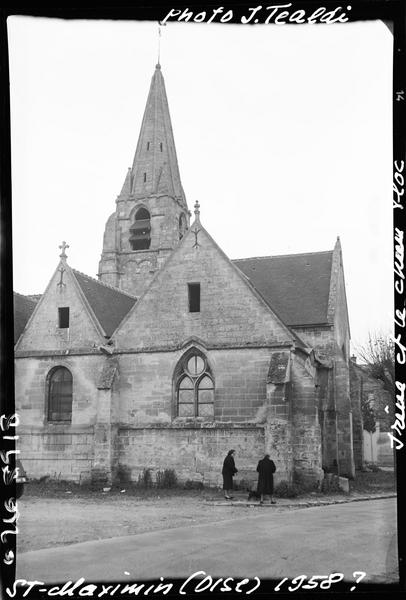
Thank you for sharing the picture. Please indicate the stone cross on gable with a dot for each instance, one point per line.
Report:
(196, 231)
(197, 222)
(197, 211)
(63, 247)
(61, 270)
(61, 282)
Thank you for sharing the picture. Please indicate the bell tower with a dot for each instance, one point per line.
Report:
(151, 213)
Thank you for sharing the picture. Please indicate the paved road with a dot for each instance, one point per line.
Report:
(358, 536)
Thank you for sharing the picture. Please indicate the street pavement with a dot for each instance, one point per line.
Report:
(357, 536)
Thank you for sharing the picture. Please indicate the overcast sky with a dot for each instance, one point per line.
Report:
(283, 134)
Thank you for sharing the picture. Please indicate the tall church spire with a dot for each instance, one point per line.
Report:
(155, 166)
(151, 215)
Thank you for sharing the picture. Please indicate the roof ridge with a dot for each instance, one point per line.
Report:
(283, 255)
(101, 283)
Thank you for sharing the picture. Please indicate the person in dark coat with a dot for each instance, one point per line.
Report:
(266, 468)
(229, 470)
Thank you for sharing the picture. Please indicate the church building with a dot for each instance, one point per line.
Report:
(177, 354)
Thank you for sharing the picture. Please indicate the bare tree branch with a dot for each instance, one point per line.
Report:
(378, 356)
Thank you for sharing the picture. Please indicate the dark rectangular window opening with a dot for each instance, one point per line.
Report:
(145, 177)
(160, 145)
(147, 145)
(63, 317)
(194, 297)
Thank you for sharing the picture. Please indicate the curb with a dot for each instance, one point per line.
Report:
(300, 504)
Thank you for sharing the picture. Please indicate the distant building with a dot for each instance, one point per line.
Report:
(177, 353)
(376, 447)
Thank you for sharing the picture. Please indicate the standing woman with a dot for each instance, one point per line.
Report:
(228, 471)
(266, 468)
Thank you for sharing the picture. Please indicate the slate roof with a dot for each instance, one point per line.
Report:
(23, 308)
(109, 304)
(34, 297)
(297, 286)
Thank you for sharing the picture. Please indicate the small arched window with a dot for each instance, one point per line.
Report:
(60, 395)
(194, 387)
(182, 225)
(140, 230)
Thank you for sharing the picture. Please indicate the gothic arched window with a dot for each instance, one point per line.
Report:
(60, 394)
(194, 387)
(182, 225)
(140, 230)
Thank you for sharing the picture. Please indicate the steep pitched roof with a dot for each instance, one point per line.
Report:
(109, 304)
(23, 308)
(296, 285)
(155, 166)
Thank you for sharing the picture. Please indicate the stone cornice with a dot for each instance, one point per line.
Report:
(192, 425)
(146, 349)
(52, 353)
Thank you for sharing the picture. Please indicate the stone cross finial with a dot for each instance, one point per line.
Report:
(63, 247)
(197, 222)
(197, 211)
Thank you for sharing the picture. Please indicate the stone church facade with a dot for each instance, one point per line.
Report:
(177, 353)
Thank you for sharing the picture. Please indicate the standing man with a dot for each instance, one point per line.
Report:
(228, 472)
(266, 468)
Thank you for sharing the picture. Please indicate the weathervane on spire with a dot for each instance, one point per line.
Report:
(159, 41)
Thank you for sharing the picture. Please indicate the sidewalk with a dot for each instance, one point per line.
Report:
(303, 501)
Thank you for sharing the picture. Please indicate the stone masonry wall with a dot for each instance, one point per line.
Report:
(132, 270)
(146, 388)
(278, 430)
(344, 419)
(306, 434)
(60, 452)
(194, 453)
(63, 450)
(320, 338)
(230, 312)
(43, 332)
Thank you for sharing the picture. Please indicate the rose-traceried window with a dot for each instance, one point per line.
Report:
(195, 388)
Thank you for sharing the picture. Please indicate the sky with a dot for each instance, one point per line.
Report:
(283, 135)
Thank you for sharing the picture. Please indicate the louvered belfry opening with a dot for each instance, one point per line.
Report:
(140, 231)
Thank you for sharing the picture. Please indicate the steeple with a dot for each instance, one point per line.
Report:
(151, 215)
(155, 166)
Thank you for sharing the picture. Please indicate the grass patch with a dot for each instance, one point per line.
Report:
(69, 489)
(166, 479)
(284, 489)
(368, 482)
